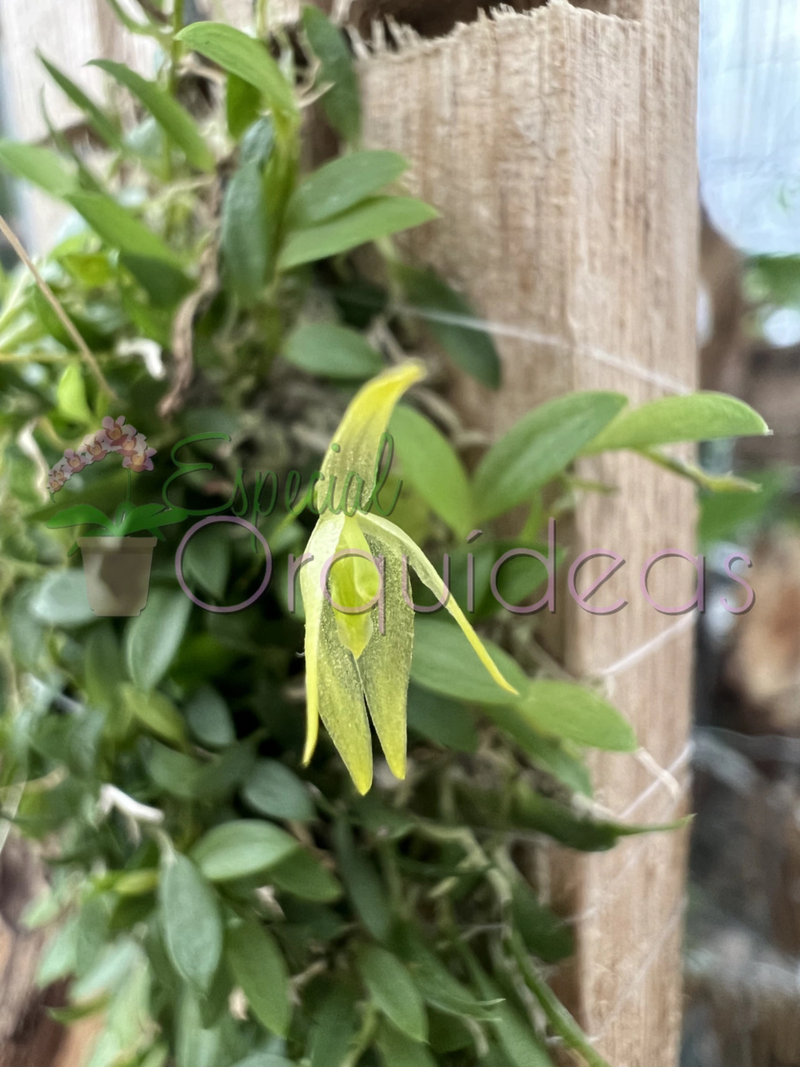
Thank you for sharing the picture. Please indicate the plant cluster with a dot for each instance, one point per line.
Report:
(215, 901)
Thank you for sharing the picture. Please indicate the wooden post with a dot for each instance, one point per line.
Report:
(559, 146)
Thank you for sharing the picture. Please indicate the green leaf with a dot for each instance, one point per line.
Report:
(533, 811)
(547, 753)
(342, 102)
(305, 877)
(40, 166)
(392, 991)
(156, 712)
(174, 772)
(152, 639)
(157, 1057)
(118, 228)
(71, 396)
(272, 789)
(236, 849)
(728, 517)
(163, 282)
(397, 1050)
(774, 280)
(698, 417)
(368, 221)
(245, 57)
(333, 351)
(265, 1059)
(150, 517)
(207, 561)
(445, 663)
(242, 105)
(259, 968)
(195, 1044)
(174, 120)
(547, 936)
(61, 600)
(209, 718)
(334, 1026)
(59, 957)
(79, 515)
(222, 777)
(98, 120)
(438, 987)
(538, 447)
(362, 883)
(103, 667)
(441, 307)
(519, 1041)
(564, 709)
(136, 883)
(431, 465)
(190, 919)
(443, 721)
(93, 932)
(342, 184)
(245, 233)
(91, 269)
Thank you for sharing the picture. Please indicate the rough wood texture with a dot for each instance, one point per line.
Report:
(559, 147)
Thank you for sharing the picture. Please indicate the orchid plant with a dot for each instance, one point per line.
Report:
(119, 437)
(360, 632)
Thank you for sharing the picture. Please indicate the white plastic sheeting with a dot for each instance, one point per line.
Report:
(749, 121)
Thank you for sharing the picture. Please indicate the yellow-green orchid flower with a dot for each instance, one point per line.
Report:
(359, 625)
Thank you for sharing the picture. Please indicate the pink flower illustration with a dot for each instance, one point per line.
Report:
(114, 430)
(140, 461)
(57, 477)
(74, 462)
(128, 446)
(95, 447)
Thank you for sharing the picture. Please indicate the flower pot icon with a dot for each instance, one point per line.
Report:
(117, 572)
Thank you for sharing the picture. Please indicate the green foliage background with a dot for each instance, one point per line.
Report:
(217, 903)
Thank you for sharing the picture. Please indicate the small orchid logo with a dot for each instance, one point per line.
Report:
(116, 436)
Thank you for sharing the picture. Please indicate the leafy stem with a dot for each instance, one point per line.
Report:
(176, 48)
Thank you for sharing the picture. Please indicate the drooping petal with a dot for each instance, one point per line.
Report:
(385, 664)
(321, 545)
(373, 524)
(359, 434)
(333, 687)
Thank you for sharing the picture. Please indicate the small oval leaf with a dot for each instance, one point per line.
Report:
(191, 922)
(236, 849)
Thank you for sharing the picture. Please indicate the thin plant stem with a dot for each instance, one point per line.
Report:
(55, 303)
(130, 487)
(175, 48)
(261, 17)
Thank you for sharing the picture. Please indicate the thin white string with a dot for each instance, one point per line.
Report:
(676, 917)
(643, 651)
(499, 329)
(609, 894)
(664, 776)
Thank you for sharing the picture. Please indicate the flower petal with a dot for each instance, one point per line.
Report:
(428, 574)
(359, 433)
(353, 582)
(385, 664)
(333, 688)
